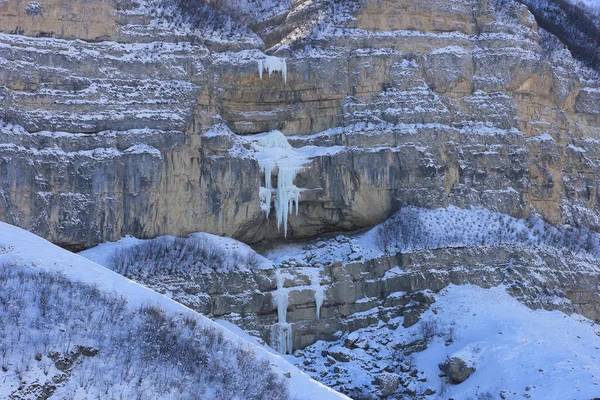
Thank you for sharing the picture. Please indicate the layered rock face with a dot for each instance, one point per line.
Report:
(359, 294)
(428, 103)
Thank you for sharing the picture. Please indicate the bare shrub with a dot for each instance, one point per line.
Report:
(414, 228)
(485, 396)
(114, 351)
(179, 256)
(450, 334)
(428, 330)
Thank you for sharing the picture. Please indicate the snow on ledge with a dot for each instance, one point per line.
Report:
(144, 149)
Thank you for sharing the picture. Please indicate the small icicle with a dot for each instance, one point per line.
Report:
(281, 332)
(273, 64)
(284, 70)
(315, 283)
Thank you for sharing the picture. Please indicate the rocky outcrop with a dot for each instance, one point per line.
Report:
(456, 370)
(356, 295)
(426, 103)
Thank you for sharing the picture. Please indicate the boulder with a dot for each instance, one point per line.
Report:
(456, 370)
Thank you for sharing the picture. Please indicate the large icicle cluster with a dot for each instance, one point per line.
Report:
(273, 64)
(276, 155)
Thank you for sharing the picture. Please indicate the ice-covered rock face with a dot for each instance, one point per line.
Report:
(449, 103)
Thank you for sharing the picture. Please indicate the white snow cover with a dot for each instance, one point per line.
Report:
(509, 345)
(515, 350)
(25, 248)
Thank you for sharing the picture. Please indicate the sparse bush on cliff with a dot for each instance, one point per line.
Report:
(414, 228)
(179, 256)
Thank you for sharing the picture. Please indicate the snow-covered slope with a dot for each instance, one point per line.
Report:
(517, 352)
(413, 228)
(22, 248)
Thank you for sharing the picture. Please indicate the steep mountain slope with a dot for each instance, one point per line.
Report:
(48, 294)
(426, 103)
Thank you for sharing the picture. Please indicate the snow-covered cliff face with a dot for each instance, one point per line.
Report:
(128, 117)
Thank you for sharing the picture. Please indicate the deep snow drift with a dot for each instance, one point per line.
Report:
(23, 248)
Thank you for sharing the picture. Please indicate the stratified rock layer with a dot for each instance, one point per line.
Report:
(428, 103)
(359, 294)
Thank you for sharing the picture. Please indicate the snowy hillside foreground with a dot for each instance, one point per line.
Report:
(517, 353)
(140, 344)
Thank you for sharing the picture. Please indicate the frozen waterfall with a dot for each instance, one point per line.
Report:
(276, 155)
(281, 333)
(315, 284)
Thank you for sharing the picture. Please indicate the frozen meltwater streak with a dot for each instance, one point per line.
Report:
(273, 64)
(281, 333)
(281, 337)
(315, 283)
(287, 192)
(276, 155)
(281, 298)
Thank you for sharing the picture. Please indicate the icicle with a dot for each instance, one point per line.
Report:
(273, 64)
(281, 338)
(287, 192)
(281, 332)
(284, 70)
(315, 283)
(275, 153)
(265, 200)
(281, 298)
